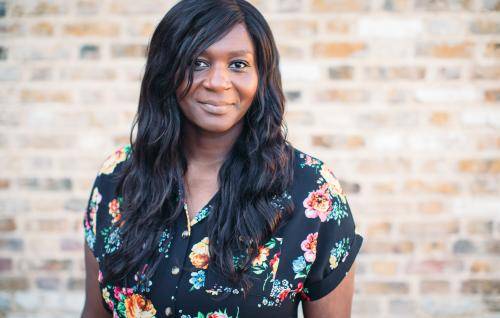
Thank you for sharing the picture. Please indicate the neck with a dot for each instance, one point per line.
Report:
(208, 149)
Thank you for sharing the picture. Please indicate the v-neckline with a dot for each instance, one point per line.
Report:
(204, 211)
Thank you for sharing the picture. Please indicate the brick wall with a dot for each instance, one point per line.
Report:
(400, 97)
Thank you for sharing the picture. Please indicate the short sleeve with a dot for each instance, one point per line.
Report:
(103, 205)
(337, 241)
(90, 215)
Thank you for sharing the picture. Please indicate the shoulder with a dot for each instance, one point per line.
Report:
(314, 177)
(103, 208)
(111, 163)
(321, 233)
(114, 159)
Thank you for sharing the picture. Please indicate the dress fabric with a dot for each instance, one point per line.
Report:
(303, 261)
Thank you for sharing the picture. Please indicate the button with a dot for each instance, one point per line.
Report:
(185, 234)
(168, 311)
(175, 270)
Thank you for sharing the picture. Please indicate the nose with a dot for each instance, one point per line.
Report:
(217, 78)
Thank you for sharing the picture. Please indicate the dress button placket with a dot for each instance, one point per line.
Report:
(175, 270)
(168, 311)
(182, 250)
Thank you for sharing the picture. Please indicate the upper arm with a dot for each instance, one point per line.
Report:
(336, 304)
(329, 286)
(93, 306)
(96, 218)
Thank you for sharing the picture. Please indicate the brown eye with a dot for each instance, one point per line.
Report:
(196, 63)
(241, 63)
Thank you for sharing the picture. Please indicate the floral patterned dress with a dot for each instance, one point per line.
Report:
(303, 261)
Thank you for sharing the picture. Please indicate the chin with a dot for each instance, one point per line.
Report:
(216, 127)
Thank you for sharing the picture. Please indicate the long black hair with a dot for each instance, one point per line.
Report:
(257, 170)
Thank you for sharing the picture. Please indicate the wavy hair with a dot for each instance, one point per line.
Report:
(257, 170)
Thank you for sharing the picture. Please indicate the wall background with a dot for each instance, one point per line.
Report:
(400, 97)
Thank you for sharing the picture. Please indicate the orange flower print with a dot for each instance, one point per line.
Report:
(262, 257)
(309, 246)
(274, 264)
(114, 210)
(114, 159)
(199, 255)
(137, 306)
(332, 182)
(318, 204)
(284, 294)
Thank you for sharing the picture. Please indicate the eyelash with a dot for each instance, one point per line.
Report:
(238, 68)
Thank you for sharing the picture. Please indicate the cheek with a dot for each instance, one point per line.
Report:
(248, 88)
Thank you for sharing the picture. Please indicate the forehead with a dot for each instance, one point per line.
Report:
(236, 42)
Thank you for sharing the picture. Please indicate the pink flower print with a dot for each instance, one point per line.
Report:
(309, 246)
(318, 204)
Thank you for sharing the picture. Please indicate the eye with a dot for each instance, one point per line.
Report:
(196, 63)
(241, 63)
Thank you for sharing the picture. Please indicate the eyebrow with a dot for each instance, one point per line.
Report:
(240, 52)
(236, 52)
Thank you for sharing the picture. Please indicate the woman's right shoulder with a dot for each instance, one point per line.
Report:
(103, 207)
(115, 159)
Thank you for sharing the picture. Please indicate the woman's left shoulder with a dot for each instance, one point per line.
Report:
(313, 176)
(320, 242)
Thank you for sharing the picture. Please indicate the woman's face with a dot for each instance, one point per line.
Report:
(224, 84)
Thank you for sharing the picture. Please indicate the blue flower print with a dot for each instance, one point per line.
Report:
(197, 279)
(299, 264)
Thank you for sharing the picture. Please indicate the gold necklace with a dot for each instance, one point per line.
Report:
(187, 217)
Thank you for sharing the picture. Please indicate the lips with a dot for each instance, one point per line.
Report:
(215, 103)
(215, 109)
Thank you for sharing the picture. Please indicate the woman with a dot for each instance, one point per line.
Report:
(210, 212)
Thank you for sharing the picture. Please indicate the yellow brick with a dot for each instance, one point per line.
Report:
(342, 95)
(338, 26)
(338, 49)
(446, 50)
(431, 207)
(29, 96)
(384, 267)
(487, 142)
(479, 166)
(4, 184)
(91, 29)
(385, 287)
(340, 5)
(329, 141)
(383, 247)
(433, 247)
(378, 229)
(481, 266)
(440, 118)
(487, 72)
(492, 49)
(293, 28)
(429, 229)
(291, 51)
(384, 187)
(442, 187)
(434, 287)
(492, 95)
(461, 50)
(43, 28)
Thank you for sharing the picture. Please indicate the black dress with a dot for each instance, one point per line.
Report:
(303, 261)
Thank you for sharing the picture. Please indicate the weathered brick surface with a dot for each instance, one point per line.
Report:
(401, 97)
